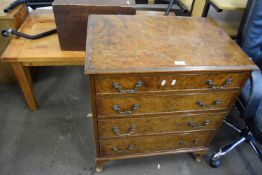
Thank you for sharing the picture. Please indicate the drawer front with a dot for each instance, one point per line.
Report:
(149, 144)
(165, 103)
(153, 125)
(133, 84)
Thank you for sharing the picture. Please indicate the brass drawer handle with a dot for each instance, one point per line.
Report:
(196, 126)
(211, 84)
(205, 106)
(122, 150)
(130, 131)
(127, 91)
(117, 109)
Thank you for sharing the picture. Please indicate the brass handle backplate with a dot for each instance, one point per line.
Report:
(196, 126)
(206, 106)
(130, 131)
(212, 85)
(117, 109)
(123, 150)
(127, 91)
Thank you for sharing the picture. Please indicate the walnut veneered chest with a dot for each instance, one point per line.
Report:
(160, 85)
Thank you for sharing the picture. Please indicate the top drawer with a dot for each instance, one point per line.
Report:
(142, 83)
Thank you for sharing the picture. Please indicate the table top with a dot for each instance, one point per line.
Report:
(230, 4)
(44, 51)
(148, 44)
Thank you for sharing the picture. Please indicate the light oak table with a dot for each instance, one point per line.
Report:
(22, 53)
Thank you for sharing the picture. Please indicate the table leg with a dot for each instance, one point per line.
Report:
(25, 81)
(206, 8)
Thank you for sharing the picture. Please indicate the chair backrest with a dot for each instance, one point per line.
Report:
(250, 32)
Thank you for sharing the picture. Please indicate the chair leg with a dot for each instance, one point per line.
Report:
(256, 148)
(214, 160)
(169, 7)
(206, 9)
(232, 126)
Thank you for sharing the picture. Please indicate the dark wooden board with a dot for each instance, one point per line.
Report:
(71, 18)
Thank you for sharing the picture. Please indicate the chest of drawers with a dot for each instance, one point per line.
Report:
(160, 85)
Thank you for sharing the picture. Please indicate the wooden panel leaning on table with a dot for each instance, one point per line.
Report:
(22, 53)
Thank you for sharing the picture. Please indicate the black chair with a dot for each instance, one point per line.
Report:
(250, 101)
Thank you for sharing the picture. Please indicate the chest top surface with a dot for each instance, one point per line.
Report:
(140, 44)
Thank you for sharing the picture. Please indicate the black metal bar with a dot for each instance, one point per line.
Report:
(169, 7)
(13, 5)
(226, 149)
(192, 6)
(256, 148)
(232, 126)
(206, 8)
(8, 32)
(30, 3)
(215, 7)
(35, 5)
(183, 8)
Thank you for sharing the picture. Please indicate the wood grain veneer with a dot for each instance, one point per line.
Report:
(149, 144)
(164, 103)
(130, 44)
(181, 82)
(159, 124)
